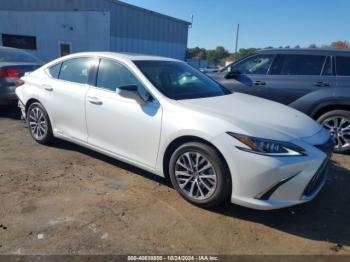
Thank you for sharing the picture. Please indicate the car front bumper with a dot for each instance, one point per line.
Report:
(265, 182)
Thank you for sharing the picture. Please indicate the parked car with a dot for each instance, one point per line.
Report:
(314, 81)
(166, 117)
(14, 63)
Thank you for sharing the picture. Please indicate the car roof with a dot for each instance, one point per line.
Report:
(303, 51)
(122, 56)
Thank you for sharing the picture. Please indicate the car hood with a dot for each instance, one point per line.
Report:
(256, 116)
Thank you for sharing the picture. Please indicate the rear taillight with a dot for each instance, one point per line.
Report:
(13, 73)
(19, 82)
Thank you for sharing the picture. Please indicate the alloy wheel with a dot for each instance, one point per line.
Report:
(195, 175)
(339, 127)
(37, 123)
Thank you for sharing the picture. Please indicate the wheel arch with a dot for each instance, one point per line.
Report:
(35, 100)
(29, 102)
(174, 144)
(330, 106)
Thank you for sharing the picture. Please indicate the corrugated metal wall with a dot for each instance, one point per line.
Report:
(84, 30)
(132, 29)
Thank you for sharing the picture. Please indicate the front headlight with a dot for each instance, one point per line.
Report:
(267, 147)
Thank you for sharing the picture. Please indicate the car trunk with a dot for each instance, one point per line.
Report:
(9, 73)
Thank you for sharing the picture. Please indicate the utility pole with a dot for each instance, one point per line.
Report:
(237, 36)
(191, 21)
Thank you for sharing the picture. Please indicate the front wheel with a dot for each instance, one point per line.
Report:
(199, 174)
(39, 124)
(337, 122)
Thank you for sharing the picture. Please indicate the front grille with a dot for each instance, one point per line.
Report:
(317, 179)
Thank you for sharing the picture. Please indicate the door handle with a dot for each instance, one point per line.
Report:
(322, 84)
(259, 83)
(94, 100)
(47, 87)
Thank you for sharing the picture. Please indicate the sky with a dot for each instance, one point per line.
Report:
(262, 22)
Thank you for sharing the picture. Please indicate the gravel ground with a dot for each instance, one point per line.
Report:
(65, 199)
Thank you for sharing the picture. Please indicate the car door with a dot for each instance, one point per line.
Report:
(293, 76)
(246, 76)
(120, 122)
(64, 97)
(342, 64)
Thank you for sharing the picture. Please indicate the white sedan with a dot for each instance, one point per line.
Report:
(164, 116)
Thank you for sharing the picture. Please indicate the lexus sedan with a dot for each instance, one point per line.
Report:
(14, 63)
(166, 117)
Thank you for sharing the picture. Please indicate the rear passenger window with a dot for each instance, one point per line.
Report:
(298, 65)
(76, 70)
(343, 65)
(55, 70)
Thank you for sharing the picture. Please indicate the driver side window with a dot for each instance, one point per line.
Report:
(255, 65)
(112, 75)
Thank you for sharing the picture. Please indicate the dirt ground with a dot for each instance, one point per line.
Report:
(65, 199)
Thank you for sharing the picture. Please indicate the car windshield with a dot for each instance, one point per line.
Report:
(178, 80)
(16, 55)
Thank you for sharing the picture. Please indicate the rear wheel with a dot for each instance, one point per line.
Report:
(39, 124)
(199, 174)
(337, 122)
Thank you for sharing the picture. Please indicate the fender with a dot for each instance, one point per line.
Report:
(335, 103)
(310, 101)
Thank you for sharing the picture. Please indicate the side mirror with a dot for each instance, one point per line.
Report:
(144, 94)
(128, 91)
(129, 88)
(232, 73)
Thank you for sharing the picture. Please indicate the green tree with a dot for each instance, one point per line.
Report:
(197, 53)
(221, 52)
(312, 46)
(217, 56)
(243, 52)
(202, 54)
(211, 57)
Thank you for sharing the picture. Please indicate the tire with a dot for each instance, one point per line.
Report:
(204, 194)
(338, 123)
(39, 124)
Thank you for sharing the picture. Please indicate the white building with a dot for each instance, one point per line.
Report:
(52, 28)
